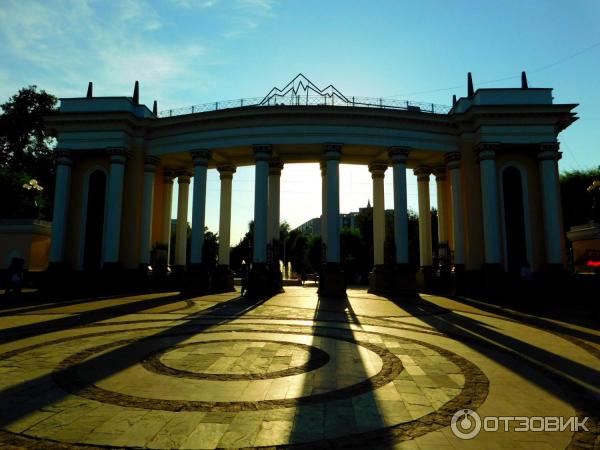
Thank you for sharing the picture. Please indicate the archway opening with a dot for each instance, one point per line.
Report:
(94, 221)
(514, 219)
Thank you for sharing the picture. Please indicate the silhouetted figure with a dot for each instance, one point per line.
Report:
(526, 273)
(15, 278)
(244, 274)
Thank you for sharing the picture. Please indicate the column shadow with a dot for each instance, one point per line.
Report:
(569, 380)
(22, 399)
(344, 412)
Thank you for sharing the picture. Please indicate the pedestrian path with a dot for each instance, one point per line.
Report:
(224, 371)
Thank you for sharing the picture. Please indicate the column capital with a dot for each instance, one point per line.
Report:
(150, 163)
(440, 173)
(486, 150)
(201, 156)
(262, 152)
(118, 155)
(63, 157)
(399, 154)
(275, 167)
(183, 176)
(549, 151)
(332, 151)
(168, 176)
(452, 157)
(226, 171)
(377, 169)
(422, 173)
(323, 165)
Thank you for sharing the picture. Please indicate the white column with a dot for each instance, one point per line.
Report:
(548, 158)
(275, 168)
(166, 219)
(262, 155)
(399, 155)
(453, 164)
(378, 173)
(333, 153)
(226, 173)
(200, 158)
(62, 192)
(440, 185)
(183, 181)
(324, 202)
(115, 205)
(150, 164)
(490, 202)
(422, 174)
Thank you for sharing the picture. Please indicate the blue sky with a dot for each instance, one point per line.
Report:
(187, 52)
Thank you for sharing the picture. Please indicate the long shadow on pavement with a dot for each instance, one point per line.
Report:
(323, 423)
(568, 380)
(20, 400)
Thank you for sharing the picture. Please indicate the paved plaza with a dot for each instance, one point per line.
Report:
(224, 371)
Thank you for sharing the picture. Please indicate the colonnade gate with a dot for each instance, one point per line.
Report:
(494, 155)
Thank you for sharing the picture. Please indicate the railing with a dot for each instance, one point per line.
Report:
(310, 100)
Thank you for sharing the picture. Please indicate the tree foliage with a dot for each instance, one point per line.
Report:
(25, 153)
(576, 200)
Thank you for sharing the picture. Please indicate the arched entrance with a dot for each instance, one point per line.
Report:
(94, 221)
(514, 219)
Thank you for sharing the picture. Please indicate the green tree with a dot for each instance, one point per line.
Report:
(297, 251)
(315, 252)
(26, 153)
(576, 200)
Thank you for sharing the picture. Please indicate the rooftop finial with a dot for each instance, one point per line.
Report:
(524, 84)
(155, 108)
(470, 90)
(90, 91)
(136, 93)
(453, 99)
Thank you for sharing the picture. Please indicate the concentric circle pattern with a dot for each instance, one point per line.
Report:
(204, 379)
(228, 360)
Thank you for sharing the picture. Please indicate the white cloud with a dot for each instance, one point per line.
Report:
(195, 3)
(62, 45)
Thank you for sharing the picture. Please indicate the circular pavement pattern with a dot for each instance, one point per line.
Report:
(285, 384)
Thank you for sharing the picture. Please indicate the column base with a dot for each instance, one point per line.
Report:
(425, 279)
(494, 280)
(332, 282)
(458, 280)
(276, 278)
(195, 279)
(144, 275)
(57, 279)
(378, 282)
(113, 278)
(404, 282)
(222, 279)
(259, 281)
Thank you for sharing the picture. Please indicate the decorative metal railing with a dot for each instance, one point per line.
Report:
(303, 92)
(311, 100)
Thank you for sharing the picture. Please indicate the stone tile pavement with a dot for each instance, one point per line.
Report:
(223, 371)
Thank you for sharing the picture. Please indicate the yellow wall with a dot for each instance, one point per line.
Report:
(39, 252)
(132, 200)
(472, 212)
(157, 212)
